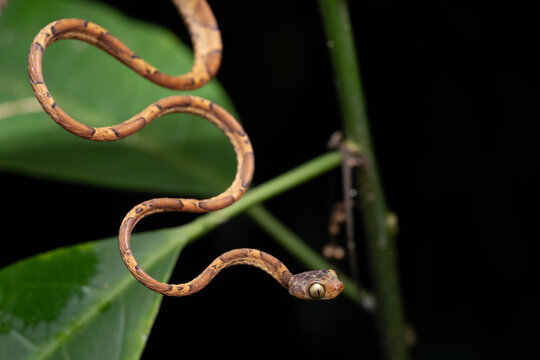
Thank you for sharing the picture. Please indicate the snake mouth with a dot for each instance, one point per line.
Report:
(335, 289)
(338, 289)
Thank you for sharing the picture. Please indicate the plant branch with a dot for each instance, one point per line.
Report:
(268, 190)
(378, 221)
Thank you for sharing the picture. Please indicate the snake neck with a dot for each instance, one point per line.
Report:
(252, 257)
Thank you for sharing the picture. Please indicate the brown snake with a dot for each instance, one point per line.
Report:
(206, 38)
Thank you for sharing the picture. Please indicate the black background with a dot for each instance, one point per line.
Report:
(452, 97)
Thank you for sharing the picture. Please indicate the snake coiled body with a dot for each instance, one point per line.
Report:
(206, 38)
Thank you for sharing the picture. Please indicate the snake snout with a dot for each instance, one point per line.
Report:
(340, 287)
(335, 287)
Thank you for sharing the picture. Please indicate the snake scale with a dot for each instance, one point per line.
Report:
(207, 49)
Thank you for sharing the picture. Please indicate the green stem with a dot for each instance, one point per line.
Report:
(268, 190)
(377, 220)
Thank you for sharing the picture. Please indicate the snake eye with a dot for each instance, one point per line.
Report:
(316, 290)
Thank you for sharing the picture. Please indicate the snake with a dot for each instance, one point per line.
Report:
(207, 54)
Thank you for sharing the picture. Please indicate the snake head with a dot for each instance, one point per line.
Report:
(315, 285)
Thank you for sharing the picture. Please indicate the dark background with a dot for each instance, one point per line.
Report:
(452, 97)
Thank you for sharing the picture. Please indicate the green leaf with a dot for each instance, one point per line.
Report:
(177, 153)
(80, 302)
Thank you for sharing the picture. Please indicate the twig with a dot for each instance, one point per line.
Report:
(350, 161)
